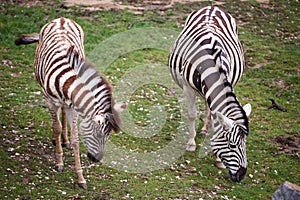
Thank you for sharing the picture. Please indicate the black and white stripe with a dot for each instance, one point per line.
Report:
(69, 80)
(70, 83)
(207, 59)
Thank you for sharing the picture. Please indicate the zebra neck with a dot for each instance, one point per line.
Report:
(90, 93)
(93, 103)
(226, 103)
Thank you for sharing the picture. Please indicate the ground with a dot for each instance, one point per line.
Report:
(270, 33)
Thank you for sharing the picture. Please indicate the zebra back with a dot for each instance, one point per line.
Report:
(207, 30)
(67, 77)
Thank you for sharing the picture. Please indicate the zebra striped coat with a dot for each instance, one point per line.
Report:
(72, 85)
(207, 59)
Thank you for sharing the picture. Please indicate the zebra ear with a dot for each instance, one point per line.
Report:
(247, 109)
(99, 119)
(224, 121)
(120, 106)
(116, 120)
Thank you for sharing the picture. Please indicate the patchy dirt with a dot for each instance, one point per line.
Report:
(258, 65)
(289, 144)
(28, 3)
(261, 1)
(136, 6)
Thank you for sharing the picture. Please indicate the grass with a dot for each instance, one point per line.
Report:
(270, 33)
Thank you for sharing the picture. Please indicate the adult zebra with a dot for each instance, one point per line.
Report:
(72, 85)
(207, 59)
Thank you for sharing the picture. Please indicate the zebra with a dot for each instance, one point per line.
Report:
(72, 86)
(207, 60)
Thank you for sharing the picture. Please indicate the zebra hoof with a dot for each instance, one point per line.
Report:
(83, 185)
(203, 133)
(220, 165)
(59, 168)
(191, 147)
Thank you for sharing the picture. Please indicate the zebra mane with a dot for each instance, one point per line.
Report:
(101, 89)
(86, 71)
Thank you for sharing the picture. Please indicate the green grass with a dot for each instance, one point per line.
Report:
(270, 33)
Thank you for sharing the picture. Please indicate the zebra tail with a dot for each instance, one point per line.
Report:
(27, 39)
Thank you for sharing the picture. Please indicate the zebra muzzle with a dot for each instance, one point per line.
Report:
(95, 158)
(239, 176)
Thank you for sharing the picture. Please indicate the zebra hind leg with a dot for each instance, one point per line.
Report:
(192, 115)
(64, 133)
(56, 136)
(65, 140)
(207, 121)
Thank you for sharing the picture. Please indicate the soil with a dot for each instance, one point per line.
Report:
(289, 144)
(134, 5)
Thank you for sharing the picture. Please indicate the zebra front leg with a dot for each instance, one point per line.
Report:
(65, 140)
(192, 115)
(73, 117)
(207, 121)
(56, 135)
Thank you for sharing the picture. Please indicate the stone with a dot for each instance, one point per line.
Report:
(287, 191)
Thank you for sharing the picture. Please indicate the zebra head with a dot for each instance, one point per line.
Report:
(230, 145)
(95, 133)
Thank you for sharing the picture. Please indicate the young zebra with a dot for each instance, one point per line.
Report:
(207, 59)
(72, 85)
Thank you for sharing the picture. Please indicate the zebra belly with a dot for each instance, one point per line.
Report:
(180, 81)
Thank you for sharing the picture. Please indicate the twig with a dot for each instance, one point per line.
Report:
(276, 106)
